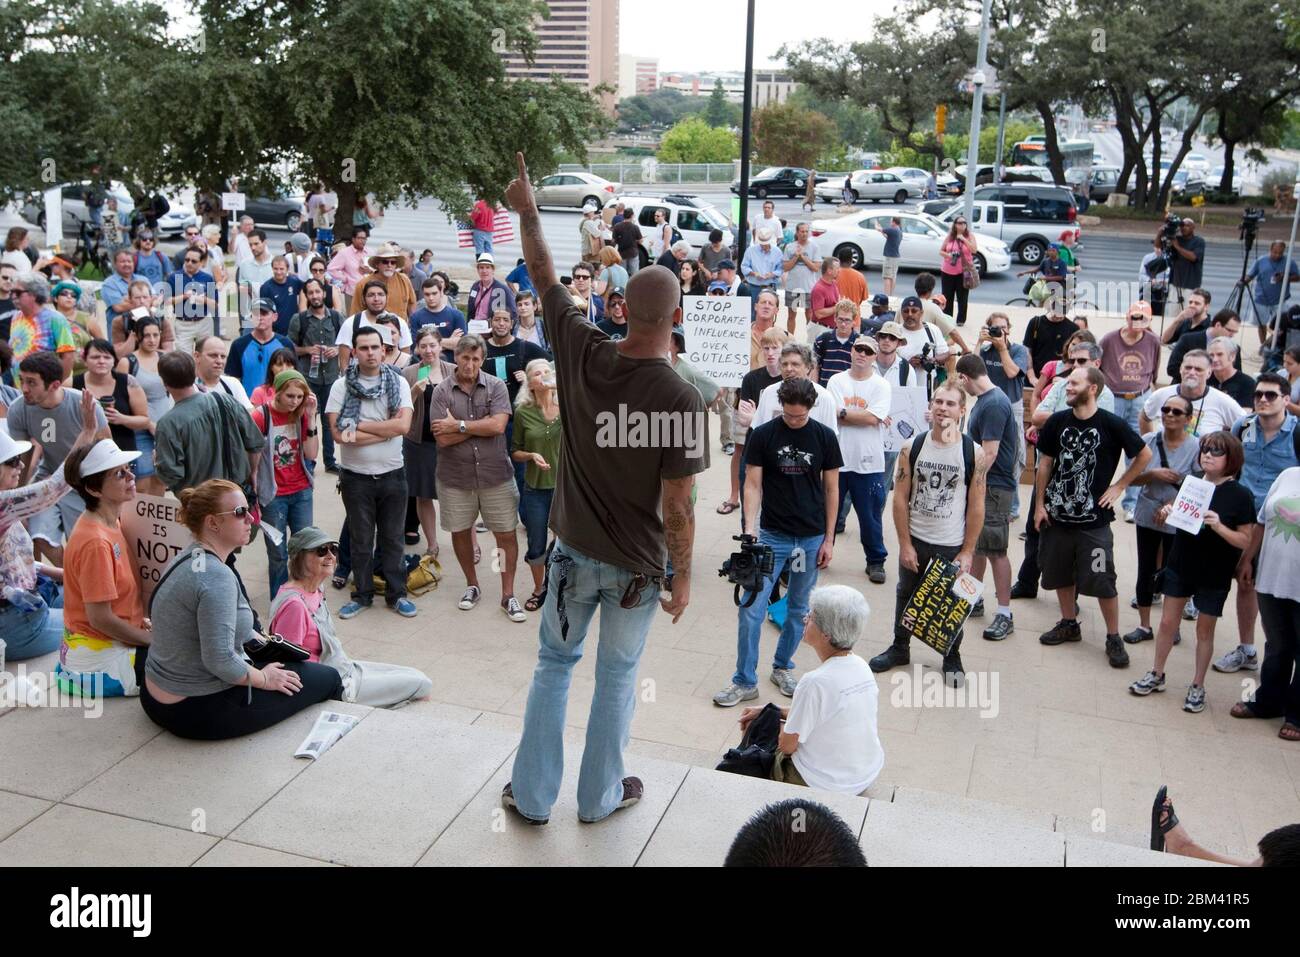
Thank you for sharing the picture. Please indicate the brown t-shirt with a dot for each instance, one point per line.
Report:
(1129, 368)
(628, 424)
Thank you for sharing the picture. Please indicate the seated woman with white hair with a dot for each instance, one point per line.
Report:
(828, 734)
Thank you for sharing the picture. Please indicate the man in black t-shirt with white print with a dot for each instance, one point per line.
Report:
(1079, 449)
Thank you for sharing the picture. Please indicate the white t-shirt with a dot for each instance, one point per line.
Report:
(834, 714)
(917, 338)
(773, 224)
(345, 331)
(381, 457)
(824, 411)
(1213, 412)
(1280, 517)
(893, 374)
(800, 278)
(241, 250)
(233, 387)
(862, 446)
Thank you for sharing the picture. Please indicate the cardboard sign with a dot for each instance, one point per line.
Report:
(53, 201)
(154, 536)
(1189, 508)
(907, 409)
(717, 336)
(939, 607)
(232, 202)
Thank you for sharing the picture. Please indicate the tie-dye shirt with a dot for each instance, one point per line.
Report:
(47, 331)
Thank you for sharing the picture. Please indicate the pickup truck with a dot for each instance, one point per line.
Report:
(1027, 241)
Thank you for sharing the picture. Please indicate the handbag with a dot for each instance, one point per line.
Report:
(273, 650)
(423, 574)
(970, 276)
(757, 751)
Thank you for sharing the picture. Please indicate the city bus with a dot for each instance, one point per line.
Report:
(1075, 154)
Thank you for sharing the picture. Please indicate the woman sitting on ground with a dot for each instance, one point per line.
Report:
(106, 635)
(828, 735)
(299, 613)
(31, 612)
(199, 682)
(1280, 847)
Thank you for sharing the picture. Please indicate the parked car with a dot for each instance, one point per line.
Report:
(575, 189)
(1196, 163)
(1030, 217)
(778, 181)
(873, 184)
(282, 211)
(693, 217)
(75, 213)
(911, 174)
(954, 182)
(1102, 181)
(860, 237)
(1215, 177)
(1187, 184)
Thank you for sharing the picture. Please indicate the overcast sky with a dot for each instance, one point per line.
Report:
(709, 35)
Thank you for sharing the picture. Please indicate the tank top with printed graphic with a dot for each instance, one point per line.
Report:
(938, 505)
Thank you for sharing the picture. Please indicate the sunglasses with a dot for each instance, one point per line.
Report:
(388, 262)
(1267, 396)
(865, 350)
(193, 262)
(1170, 410)
(1217, 453)
(1080, 361)
(331, 549)
(242, 512)
(15, 462)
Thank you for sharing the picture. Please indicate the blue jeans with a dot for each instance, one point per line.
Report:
(891, 461)
(803, 578)
(535, 507)
(322, 392)
(1128, 409)
(482, 241)
(576, 586)
(286, 511)
(30, 634)
(867, 493)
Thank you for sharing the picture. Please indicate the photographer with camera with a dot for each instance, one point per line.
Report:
(792, 496)
(1268, 291)
(924, 346)
(1186, 252)
(1153, 278)
(938, 513)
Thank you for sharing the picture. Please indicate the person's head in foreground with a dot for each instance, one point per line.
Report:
(795, 833)
(836, 620)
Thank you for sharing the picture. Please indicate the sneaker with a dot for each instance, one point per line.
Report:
(633, 791)
(1000, 627)
(352, 609)
(1195, 700)
(331, 468)
(784, 679)
(508, 800)
(1128, 516)
(480, 527)
(412, 538)
(1237, 659)
(729, 448)
(1021, 590)
(733, 694)
(1148, 683)
(891, 657)
(954, 675)
(1064, 630)
(1115, 652)
(470, 598)
(404, 607)
(839, 529)
(876, 573)
(1139, 634)
(1189, 611)
(977, 609)
(1178, 637)
(511, 607)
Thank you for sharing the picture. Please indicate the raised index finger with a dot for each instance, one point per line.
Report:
(523, 169)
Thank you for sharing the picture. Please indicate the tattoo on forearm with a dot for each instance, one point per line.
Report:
(679, 534)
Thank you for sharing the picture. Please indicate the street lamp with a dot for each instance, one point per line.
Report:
(977, 105)
(747, 112)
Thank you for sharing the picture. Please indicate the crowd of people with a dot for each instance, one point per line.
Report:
(486, 420)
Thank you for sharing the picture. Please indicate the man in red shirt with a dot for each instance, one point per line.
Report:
(482, 218)
(825, 294)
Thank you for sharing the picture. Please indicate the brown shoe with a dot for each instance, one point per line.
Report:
(633, 791)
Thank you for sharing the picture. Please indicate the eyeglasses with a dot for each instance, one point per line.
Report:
(317, 268)
(865, 350)
(331, 549)
(1170, 410)
(1267, 396)
(1217, 453)
(388, 262)
(193, 262)
(242, 512)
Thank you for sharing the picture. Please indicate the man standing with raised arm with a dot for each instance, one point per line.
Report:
(609, 539)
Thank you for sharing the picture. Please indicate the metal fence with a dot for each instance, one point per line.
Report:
(650, 171)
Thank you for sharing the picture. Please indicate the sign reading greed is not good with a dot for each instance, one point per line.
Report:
(154, 536)
(717, 336)
(940, 605)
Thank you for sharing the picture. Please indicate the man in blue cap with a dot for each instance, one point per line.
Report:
(880, 314)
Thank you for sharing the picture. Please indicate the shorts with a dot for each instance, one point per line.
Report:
(55, 524)
(1261, 315)
(144, 444)
(1082, 558)
(498, 504)
(889, 270)
(996, 534)
(796, 300)
(1209, 601)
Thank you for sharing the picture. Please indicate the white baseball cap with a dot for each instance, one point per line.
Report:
(105, 455)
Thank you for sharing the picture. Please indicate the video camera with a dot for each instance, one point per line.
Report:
(1168, 233)
(1250, 220)
(927, 357)
(748, 568)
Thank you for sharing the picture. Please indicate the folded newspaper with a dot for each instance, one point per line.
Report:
(329, 727)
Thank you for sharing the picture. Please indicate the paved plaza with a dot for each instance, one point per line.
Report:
(1060, 768)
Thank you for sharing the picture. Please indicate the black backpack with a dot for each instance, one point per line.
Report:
(967, 454)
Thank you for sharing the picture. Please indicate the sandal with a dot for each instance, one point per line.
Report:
(1242, 710)
(726, 508)
(1163, 818)
(1289, 732)
(535, 601)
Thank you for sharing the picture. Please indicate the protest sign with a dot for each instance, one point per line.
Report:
(907, 408)
(154, 536)
(939, 607)
(232, 202)
(1189, 508)
(717, 336)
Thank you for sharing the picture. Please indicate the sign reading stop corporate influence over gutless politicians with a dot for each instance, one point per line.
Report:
(717, 336)
(154, 536)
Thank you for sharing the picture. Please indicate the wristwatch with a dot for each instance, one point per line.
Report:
(311, 433)
(844, 413)
(463, 428)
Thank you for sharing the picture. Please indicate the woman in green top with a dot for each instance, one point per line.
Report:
(536, 442)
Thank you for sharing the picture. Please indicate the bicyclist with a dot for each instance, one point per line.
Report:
(1052, 269)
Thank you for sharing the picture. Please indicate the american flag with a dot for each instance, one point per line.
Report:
(503, 231)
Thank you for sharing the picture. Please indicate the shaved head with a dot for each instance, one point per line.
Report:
(653, 295)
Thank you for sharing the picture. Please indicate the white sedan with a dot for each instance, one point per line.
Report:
(873, 184)
(860, 236)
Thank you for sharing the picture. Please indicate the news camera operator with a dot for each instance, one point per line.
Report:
(1186, 258)
(792, 496)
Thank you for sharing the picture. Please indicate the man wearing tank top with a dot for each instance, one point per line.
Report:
(938, 513)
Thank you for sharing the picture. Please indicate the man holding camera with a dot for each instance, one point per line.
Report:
(1186, 259)
(924, 346)
(1266, 274)
(792, 495)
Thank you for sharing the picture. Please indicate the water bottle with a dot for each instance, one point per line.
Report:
(314, 371)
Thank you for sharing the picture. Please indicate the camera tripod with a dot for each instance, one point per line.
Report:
(1239, 299)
